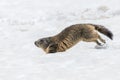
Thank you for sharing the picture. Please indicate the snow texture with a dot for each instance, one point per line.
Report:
(24, 21)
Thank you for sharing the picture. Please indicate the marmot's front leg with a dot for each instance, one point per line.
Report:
(52, 48)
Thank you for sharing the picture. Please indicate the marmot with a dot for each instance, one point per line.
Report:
(72, 35)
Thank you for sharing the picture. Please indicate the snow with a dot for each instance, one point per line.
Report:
(24, 21)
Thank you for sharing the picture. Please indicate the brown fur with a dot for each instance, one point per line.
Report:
(72, 35)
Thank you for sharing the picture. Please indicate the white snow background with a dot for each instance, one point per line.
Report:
(24, 21)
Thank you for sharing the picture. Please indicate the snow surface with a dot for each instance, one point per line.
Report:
(24, 21)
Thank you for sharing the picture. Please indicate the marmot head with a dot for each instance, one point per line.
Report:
(42, 43)
(47, 45)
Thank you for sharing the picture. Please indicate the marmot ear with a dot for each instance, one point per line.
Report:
(52, 48)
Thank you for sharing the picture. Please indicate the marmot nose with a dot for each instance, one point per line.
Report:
(35, 43)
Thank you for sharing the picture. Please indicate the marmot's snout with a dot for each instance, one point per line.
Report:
(36, 43)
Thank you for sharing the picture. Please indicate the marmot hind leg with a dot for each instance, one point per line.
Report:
(100, 38)
(98, 43)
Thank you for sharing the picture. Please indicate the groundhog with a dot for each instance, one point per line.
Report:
(72, 35)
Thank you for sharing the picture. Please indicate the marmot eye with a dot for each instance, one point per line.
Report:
(41, 40)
